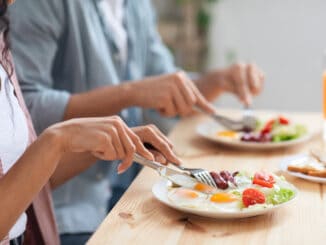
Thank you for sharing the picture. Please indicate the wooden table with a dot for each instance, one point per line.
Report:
(139, 218)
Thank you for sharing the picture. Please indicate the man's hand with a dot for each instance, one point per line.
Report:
(243, 80)
(171, 95)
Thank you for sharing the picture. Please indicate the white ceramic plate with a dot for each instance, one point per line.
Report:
(160, 191)
(289, 160)
(209, 129)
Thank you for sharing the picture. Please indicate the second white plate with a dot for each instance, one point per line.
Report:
(290, 160)
(209, 129)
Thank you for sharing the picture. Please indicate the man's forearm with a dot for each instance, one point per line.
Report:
(104, 101)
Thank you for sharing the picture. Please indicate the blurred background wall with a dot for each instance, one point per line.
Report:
(286, 38)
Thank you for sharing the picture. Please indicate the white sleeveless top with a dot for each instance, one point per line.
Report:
(13, 138)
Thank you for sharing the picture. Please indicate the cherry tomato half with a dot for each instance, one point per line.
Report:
(252, 196)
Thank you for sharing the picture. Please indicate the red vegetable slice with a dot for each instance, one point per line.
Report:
(252, 196)
(268, 127)
(283, 120)
(263, 179)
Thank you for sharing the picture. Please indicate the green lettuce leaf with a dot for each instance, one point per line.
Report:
(280, 196)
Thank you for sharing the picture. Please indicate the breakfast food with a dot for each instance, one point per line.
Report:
(236, 192)
(309, 166)
(275, 130)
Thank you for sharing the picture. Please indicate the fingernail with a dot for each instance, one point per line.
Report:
(121, 169)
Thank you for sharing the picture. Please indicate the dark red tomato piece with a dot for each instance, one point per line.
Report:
(252, 196)
(268, 127)
(264, 179)
(283, 120)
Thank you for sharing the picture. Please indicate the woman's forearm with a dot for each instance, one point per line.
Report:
(69, 166)
(27, 177)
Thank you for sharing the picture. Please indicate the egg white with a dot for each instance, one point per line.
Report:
(176, 197)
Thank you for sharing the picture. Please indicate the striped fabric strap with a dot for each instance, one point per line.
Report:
(5, 241)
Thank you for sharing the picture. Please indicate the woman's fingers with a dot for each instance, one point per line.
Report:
(160, 144)
(128, 145)
(159, 157)
(116, 142)
(166, 139)
(140, 148)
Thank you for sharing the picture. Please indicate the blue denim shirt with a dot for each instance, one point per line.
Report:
(62, 47)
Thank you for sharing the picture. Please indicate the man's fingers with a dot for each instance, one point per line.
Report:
(254, 79)
(169, 109)
(201, 100)
(241, 84)
(186, 90)
(182, 107)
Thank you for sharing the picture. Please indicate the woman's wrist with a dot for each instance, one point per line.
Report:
(55, 139)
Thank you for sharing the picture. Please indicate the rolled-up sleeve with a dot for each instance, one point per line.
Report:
(34, 40)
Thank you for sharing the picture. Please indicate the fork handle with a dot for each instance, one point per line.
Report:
(218, 117)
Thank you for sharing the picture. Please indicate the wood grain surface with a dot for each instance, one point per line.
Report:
(138, 218)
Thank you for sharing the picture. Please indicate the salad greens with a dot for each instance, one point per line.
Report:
(280, 196)
(287, 132)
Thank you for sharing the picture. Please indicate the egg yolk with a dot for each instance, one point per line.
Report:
(187, 194)
(229, 134)
(203, 188)
(223, 197)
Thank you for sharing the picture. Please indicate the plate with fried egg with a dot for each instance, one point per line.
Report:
(245, 195)
(272, 133)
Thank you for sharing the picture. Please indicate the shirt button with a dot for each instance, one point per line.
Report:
(99, 176)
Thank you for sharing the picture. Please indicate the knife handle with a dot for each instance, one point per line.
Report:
(148, 163)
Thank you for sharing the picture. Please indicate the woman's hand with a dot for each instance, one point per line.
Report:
(106, 138)
(243, 80)
(158, 143)
(171, 95)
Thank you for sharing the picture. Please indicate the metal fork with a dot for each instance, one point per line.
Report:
(199, 174)
(247, 123)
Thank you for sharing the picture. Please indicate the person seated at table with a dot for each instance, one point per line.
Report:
(30, 167)
(74, 57)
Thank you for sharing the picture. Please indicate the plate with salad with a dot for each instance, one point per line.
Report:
(272, 133)
(239, 194)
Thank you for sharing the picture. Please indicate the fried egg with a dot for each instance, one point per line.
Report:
(225, 201)
(228, 134)
(187, 197)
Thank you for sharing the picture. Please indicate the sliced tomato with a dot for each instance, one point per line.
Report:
(268, 127)
(262, 183)
(252, 196)
(283, 120)
(263, 179)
